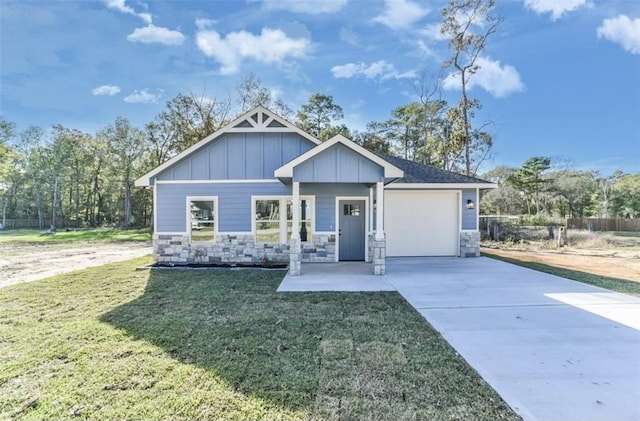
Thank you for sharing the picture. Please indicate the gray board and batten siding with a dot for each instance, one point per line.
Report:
(469, 216)
(234, 202)
(239, 156)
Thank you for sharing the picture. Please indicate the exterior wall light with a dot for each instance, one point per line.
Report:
(470, 204)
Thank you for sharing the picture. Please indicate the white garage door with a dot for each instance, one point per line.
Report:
(421, 223)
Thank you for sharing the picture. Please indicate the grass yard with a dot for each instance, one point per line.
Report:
(115, 343)
(613, 284)
(36, 236)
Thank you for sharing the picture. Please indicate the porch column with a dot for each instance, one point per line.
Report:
(379, 244)
(370, 210)
(294, 245)
(380, 210)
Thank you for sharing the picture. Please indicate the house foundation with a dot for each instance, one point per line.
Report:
(469, 244)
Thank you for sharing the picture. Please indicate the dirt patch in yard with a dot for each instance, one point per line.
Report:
(24, 262)
(615, 264)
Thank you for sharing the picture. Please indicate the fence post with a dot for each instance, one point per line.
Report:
(562, 237)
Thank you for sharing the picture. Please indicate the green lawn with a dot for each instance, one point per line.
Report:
(115, 343)
(613, 284)
(633, 234)
(36, 236)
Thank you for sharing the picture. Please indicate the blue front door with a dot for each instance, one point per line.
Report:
(351, 234)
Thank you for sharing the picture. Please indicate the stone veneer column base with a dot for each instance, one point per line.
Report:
(470, 244)
(294, 257)
(379, 249)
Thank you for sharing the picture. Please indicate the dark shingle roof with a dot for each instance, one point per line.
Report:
(415, 172)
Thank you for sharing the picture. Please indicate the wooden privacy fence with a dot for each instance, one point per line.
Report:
(604, 224)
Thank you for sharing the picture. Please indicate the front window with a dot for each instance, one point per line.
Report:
(267, 221)
(275, 226)
(202, 220)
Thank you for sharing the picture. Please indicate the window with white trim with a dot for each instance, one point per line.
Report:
(273, 222)
(202, 219)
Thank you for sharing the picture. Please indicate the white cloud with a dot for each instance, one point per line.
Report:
(432, 32)
(400, 14)
(379, 70)
(142, 96)
(312, 7)
(152, 34)
(557, 8)
(499, 81)
(109, 90)
(202, 23)
(121, 6)
(350, 37)
(271, 46)
(622, 30)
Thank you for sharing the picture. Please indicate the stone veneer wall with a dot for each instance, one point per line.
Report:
(377, 254)
(239, 249)
(470, 244)
(321, 249)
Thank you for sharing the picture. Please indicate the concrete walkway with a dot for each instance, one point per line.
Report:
(554, 349)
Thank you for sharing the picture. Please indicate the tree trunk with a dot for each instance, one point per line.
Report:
(54, 205)
(127, 206)
(465, 120)
(4, 212)
(39, 208)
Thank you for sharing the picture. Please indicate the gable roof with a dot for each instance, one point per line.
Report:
(258, 119)
(416, 173)
(390, 170)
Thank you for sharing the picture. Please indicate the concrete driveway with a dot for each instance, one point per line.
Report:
(554, 349)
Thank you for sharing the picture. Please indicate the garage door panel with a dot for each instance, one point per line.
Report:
(421, 223)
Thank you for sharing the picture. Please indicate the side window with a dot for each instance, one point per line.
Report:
(202, 220)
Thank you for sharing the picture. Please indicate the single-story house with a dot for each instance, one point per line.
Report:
(262, 190)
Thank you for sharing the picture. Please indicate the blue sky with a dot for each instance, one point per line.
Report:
(560, 78)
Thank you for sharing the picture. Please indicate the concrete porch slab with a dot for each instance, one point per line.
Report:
(342, 276)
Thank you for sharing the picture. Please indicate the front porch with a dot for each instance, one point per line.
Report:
(341, 276)
(356, 220)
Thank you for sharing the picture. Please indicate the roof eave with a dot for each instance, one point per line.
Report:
(409, 186)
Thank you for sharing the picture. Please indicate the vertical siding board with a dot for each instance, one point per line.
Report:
(338, 164)
(200, 166)
(290, 147)
(369, 171)
(469, 215)
(272, 153)
(166, 175)
(253, 156)
(349, 165)
(235, 156)
(182, 171)
(218, 160)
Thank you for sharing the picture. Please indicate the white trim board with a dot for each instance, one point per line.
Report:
(225, 181)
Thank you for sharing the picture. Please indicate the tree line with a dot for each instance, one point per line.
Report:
(66, 177)
(73, 178)
(543, 191)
